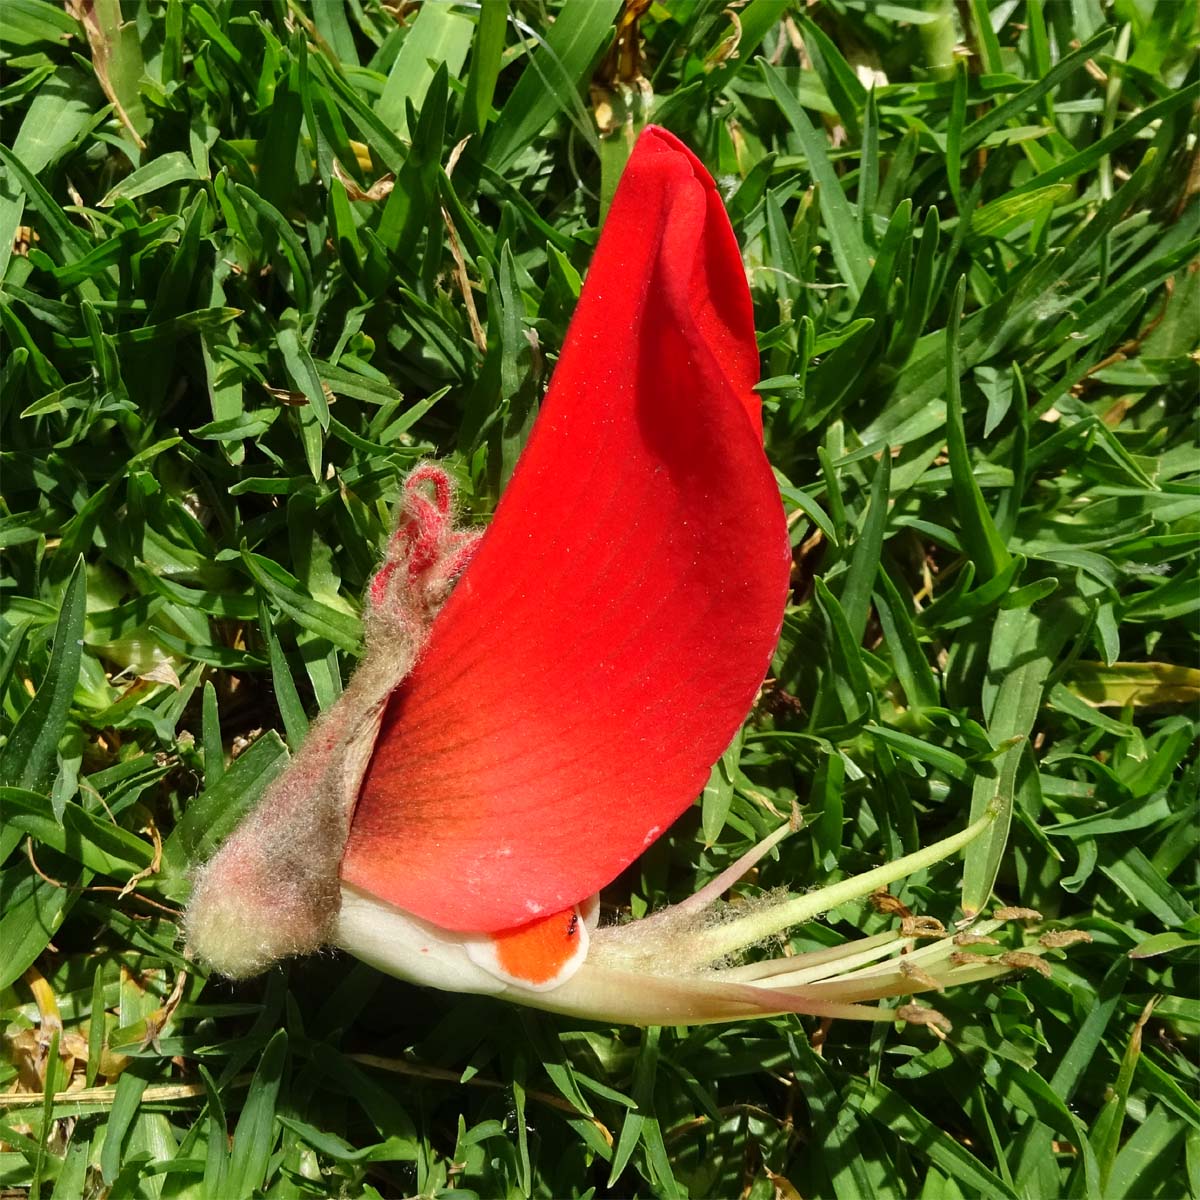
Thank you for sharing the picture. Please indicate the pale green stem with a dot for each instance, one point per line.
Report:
(736, 935)
(938, 37)
(1112, 98)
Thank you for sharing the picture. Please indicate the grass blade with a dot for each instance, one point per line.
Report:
(28, 758)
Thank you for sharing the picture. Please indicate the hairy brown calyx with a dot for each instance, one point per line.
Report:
(272, 890)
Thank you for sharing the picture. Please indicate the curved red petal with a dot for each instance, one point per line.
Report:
(608, 637)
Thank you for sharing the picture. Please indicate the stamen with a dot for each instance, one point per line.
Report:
(1017, 914)
(1057, 939)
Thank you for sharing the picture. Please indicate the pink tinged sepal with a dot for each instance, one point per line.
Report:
(273, 889)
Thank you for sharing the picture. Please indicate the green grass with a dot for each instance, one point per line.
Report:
(977, 297)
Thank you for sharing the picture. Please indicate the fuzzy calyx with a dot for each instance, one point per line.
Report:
(272, 890)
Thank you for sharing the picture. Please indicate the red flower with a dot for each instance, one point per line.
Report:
(492, 766)
(609, 635)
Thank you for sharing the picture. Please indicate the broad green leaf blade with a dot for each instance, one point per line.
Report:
(212, 815)
(255, 1135)
(438, 35)
(928, 1140)
(980, 536)
(33, 912)
(487, 49)
(550, 82)
(28, 757)
(160, 172)
(1025, 646)
(845, 237)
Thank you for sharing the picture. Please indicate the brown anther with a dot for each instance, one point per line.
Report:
(1023, 960)
(1017, 914)
(882, 901)
(1056, 939)
(911, 970)
(922, 927)
(974, 939)
(964, 958)
(773, 699)
(918, 1014)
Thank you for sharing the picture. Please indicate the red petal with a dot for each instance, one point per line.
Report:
(609, 636)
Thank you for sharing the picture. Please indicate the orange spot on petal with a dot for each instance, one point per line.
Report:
(537, 952)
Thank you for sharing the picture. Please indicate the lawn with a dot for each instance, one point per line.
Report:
(259, 261)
